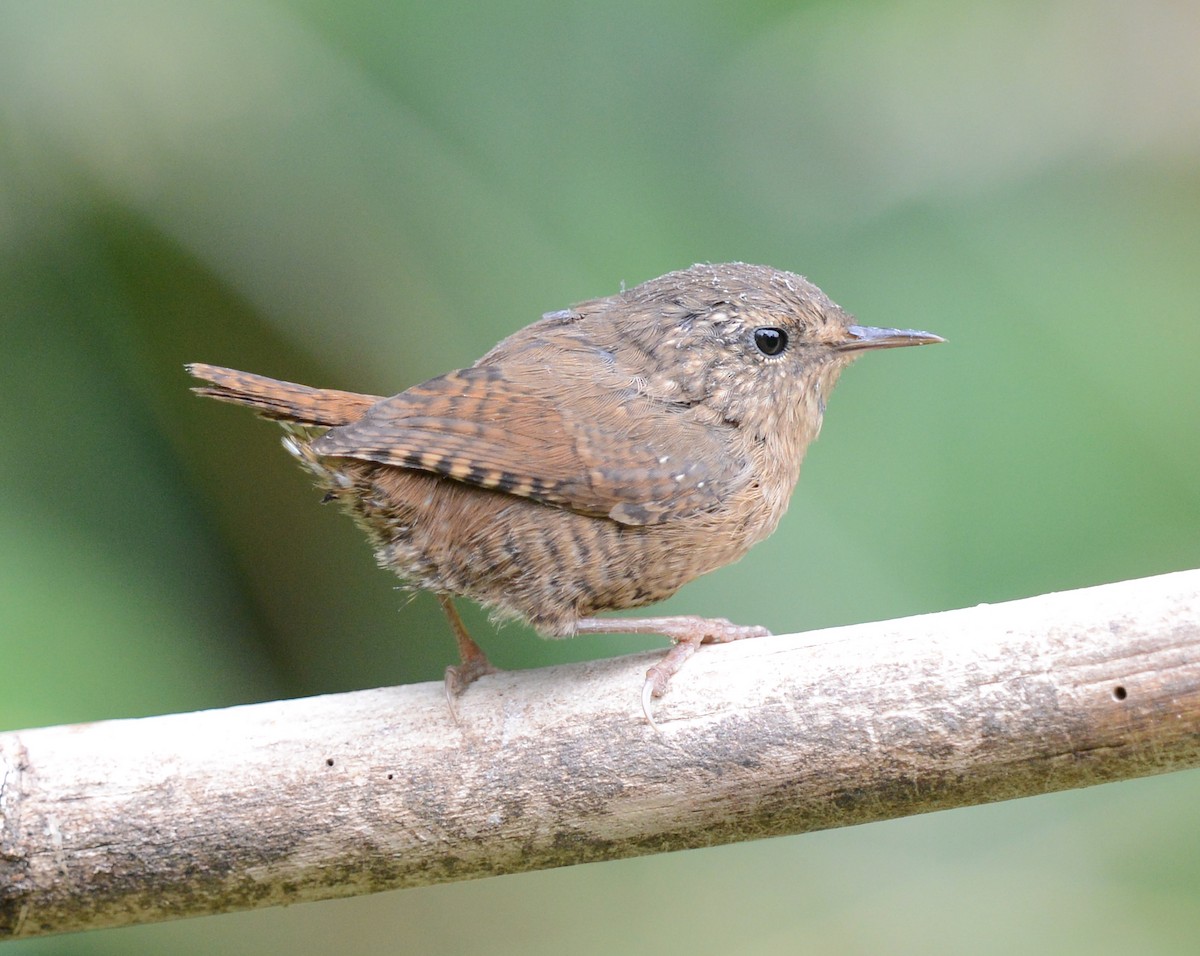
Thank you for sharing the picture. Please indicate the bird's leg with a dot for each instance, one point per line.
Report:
(474, 662)
(687, 631)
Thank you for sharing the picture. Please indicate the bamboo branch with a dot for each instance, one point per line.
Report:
(131, 821)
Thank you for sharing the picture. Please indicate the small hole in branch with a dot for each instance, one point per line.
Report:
(328, 761)
(1119, 693)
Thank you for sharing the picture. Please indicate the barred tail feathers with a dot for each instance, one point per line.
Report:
(281, 401)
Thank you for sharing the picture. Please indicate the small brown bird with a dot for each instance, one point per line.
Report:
(597, 459)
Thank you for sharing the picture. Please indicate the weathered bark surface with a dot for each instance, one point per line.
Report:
(131, 821)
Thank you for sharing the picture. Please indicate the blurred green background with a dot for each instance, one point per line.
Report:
(365, 194)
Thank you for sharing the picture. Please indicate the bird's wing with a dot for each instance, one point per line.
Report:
(591, 449)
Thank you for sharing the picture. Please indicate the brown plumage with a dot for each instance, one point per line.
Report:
(597, 459)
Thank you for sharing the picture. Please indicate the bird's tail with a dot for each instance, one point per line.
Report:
(281, 401)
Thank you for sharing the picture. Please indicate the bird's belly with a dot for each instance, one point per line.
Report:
(520, 558)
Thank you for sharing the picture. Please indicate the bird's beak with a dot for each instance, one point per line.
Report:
(863, 337)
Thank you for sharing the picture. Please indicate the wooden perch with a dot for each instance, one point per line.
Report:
(131, 821)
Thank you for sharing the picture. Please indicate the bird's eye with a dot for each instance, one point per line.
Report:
(770, 340)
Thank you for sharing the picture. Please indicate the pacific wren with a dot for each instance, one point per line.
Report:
(597, 459)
